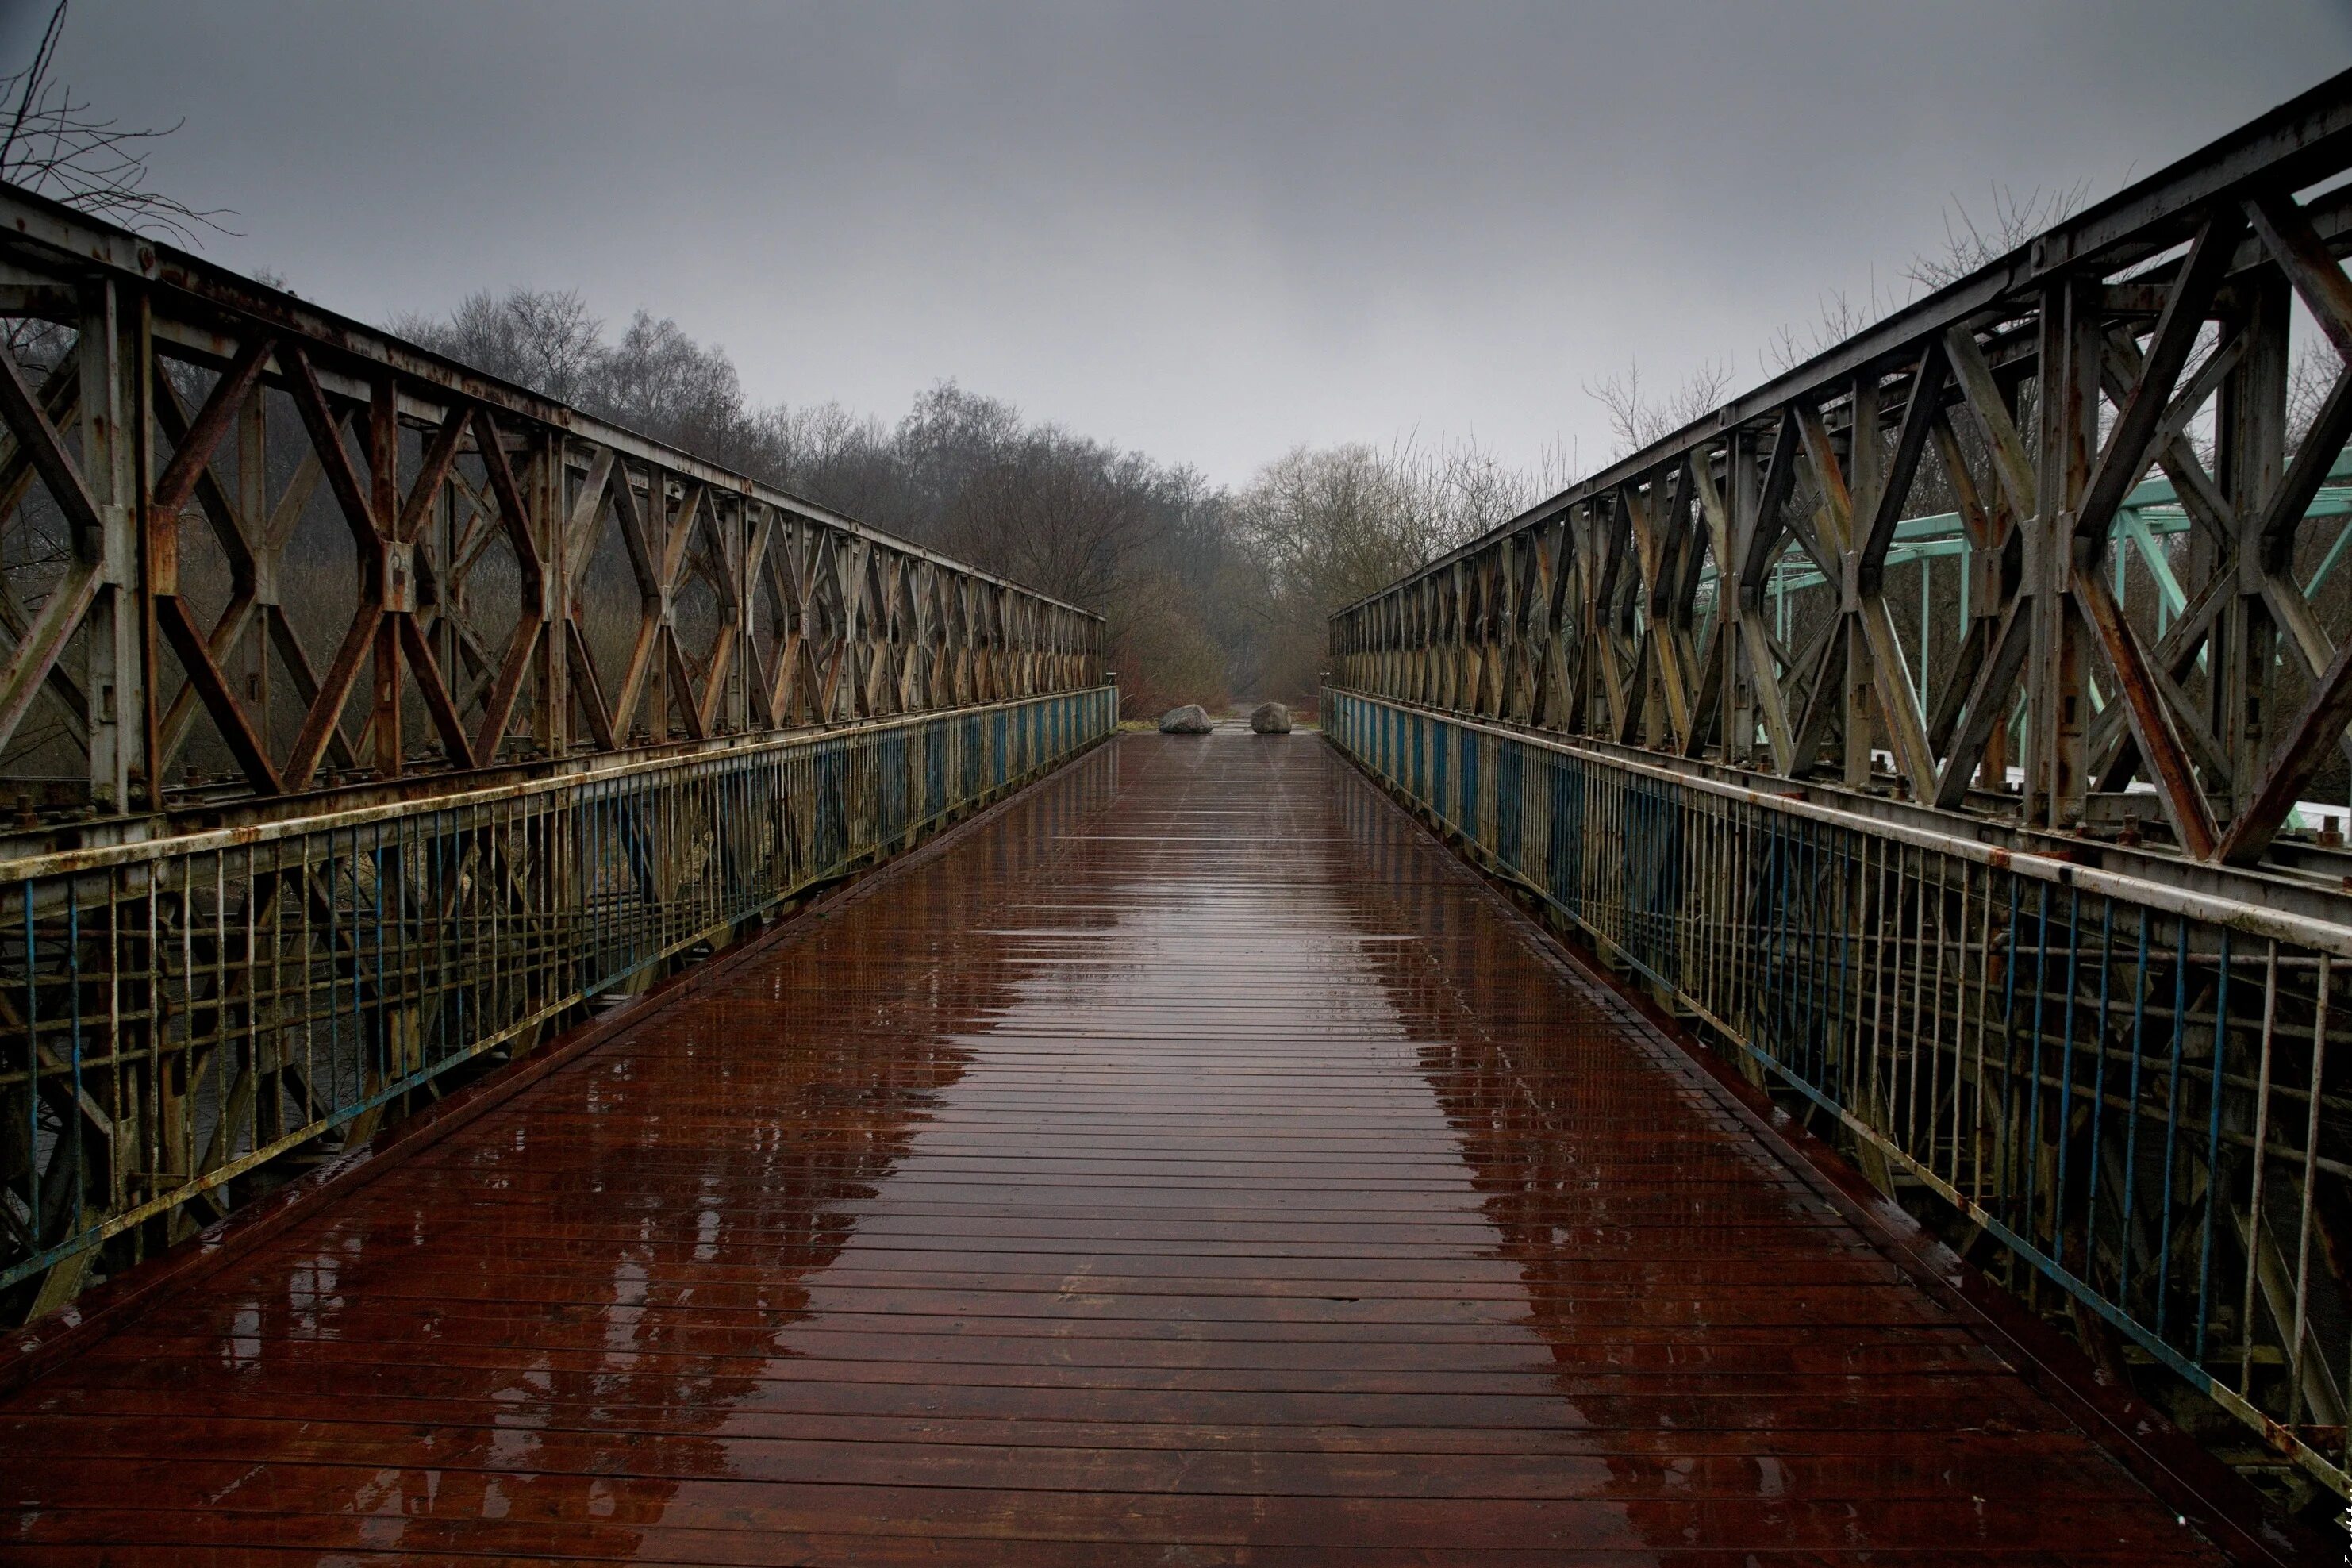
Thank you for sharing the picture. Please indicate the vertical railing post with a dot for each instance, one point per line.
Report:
(113, 356)
(2056, 697)
(2250, 443)
(551, 511)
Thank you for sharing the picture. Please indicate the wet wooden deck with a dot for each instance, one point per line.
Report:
(1192, 1166)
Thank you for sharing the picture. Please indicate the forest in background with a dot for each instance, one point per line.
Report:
(1213, 594)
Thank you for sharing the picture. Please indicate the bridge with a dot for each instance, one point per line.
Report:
(560, 1003)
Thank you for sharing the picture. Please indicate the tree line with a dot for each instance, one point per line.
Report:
(1213, 593)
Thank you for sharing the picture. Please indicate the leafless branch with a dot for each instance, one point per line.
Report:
(1636, 418)
(57, 147)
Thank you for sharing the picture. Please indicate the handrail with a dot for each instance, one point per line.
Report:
(2122, 1084)
(185, 1018)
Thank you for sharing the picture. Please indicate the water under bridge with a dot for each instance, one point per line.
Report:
(560, 1003)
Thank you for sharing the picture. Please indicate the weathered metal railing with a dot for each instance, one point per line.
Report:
(249, 548)
(2081, 990)
(2112, 1075)
(361, 713)
(2157, 329)
(181, 1012)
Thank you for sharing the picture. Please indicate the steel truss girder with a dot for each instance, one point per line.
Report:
(2150, 333)
(177, 448)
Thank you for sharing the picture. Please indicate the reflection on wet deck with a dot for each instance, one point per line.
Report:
(1192, 1166)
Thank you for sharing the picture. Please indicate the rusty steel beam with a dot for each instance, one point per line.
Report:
(409, 567)
(2150, 333)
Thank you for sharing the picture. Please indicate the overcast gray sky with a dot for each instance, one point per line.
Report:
(1209, 231)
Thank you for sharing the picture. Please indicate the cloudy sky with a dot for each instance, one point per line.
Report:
(1209, 231)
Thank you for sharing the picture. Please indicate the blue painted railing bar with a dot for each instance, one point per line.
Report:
(192, 1009)
(2113, 1076)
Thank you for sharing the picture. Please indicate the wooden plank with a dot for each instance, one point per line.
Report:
(1010, 1214)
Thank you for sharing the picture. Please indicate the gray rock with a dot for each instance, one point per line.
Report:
(1190, 720)
(1270, 719)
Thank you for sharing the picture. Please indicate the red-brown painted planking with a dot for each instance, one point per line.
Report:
(1191, 1165)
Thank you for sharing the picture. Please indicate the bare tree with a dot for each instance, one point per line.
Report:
(826, 453)
(1970, 241)
(1455, 489)
(1331, 524)
(1205, 592)
(1636, 419)
(57, 147)
(1838, 319)
(546, 341)
(2010, 220)
(658, 380)
(1056, 513)
(2310, 377)
(54, 146)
